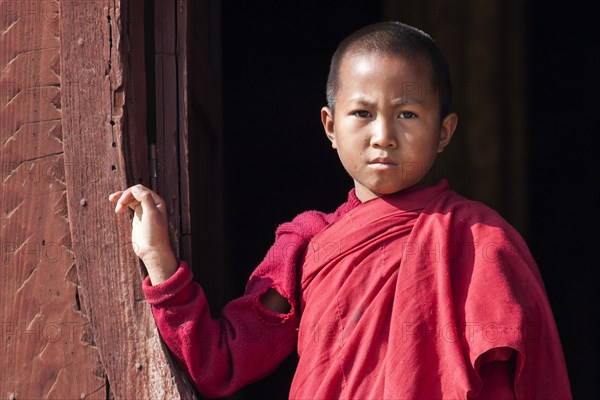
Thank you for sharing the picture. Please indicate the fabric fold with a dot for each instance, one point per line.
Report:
(402, 295)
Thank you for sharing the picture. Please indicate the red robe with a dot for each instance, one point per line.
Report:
(403, 295)
(400, 297)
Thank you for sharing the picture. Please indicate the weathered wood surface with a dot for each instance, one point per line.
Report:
(136, 97)
(167, 133)
(182, 17)
(46, 347)
(94, 101)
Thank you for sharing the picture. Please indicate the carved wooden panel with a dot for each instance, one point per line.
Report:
(47, 349)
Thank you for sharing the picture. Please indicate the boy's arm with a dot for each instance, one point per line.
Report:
(247, 342)
(253, 334)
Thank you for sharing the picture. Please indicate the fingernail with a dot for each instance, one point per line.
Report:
(135, 189)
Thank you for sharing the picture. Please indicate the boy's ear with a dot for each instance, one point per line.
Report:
(448, 127)
(327, 121)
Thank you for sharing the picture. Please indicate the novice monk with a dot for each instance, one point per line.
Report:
(404, 292)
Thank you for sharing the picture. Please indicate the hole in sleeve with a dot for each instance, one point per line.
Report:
(274, 301)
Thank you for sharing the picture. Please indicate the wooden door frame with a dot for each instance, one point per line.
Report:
(103, 126)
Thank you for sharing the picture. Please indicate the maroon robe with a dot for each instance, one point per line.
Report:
(402, 296)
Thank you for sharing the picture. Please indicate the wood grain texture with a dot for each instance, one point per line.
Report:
(94, 123)
(136, 94)
(46, 348)
(167, 136)
(182, 17)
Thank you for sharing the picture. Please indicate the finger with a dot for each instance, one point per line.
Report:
(148, 204)
(133, 204)
(126, 199)
(113, 197)
(151, 202)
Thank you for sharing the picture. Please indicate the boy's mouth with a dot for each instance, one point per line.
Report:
(383, 163)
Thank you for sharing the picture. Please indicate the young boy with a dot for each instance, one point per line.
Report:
(404, 292)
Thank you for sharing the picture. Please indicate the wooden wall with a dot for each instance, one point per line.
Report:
(74, 323)
(47, 345)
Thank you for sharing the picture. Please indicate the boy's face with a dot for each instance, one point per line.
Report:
(386, 127)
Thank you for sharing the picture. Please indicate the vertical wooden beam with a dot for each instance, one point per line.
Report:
(189, 135)
(136, 99)
(182, 17)
(167, 133)
(94, 103)
(46, 347)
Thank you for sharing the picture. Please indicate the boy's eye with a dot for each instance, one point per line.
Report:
(361, 114)
(407, 115)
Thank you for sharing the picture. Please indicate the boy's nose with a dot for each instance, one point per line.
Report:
(384, 135)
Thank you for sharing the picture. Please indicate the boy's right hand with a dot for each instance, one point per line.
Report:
(150, 230)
